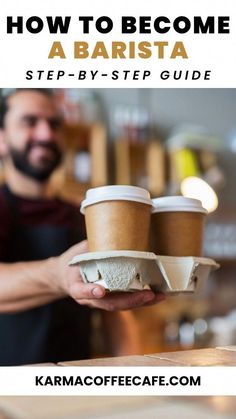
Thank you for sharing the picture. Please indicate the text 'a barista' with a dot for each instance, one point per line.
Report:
(121, 50)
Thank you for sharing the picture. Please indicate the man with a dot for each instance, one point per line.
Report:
(37, 322)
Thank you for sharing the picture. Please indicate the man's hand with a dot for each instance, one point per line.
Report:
(93, 295)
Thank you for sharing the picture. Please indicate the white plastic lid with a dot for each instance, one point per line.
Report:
(177, 203)
(116, 193)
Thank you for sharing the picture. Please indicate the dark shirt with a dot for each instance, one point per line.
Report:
(35, 230)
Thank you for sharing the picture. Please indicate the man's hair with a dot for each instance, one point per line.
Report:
(6, 93)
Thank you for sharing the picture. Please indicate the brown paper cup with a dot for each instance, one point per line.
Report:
(177, 233)
(117, 218)
(118, 225)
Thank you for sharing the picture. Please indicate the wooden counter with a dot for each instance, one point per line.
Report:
(198, 357)
(131, 407)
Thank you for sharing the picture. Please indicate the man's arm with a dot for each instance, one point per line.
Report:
(25, 285)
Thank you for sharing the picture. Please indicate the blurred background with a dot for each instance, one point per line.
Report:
(170, 141)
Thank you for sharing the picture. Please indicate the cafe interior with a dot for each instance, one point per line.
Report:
(170, 142)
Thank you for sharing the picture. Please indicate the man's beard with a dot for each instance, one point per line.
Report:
(42, 172)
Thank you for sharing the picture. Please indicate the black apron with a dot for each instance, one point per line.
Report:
(54, 332)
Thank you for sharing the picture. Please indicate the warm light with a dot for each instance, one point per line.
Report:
(194, 187)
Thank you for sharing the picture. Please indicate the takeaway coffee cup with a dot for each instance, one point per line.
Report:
(177, 226)
(117, 218)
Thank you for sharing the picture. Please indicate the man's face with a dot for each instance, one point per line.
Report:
(33, 134)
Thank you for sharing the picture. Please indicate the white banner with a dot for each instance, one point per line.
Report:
(101, 43)
(118, 381)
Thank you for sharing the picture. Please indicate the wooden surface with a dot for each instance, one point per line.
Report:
(123, 360)
(12, 407)
(119, 407)
(198, 357)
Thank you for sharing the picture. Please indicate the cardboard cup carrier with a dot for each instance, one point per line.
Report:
(177, 226)
(117, 218)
